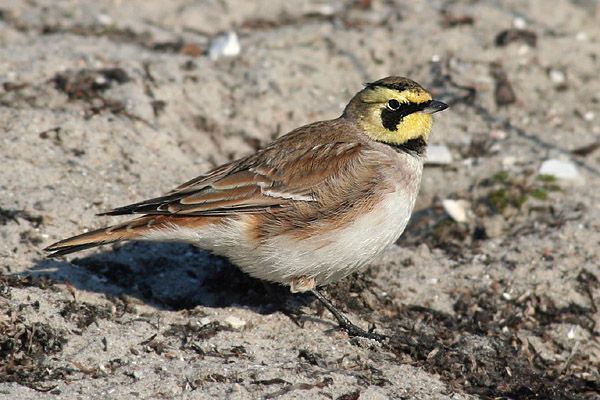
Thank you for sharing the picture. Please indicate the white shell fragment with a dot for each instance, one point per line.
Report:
(520, 23)
(458, 210)
(438, 154)
(557, 76)
(560, 169)
(227, 45)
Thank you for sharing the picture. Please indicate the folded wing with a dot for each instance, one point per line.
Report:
(255, 184)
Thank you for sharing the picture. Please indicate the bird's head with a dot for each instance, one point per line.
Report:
(394, 110)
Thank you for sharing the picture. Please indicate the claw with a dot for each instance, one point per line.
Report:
(345, 323)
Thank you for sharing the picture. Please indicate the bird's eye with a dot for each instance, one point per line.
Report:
(393, 104)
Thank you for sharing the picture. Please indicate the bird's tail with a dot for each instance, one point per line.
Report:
(130, 230)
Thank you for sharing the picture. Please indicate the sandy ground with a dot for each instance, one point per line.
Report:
(104, 103)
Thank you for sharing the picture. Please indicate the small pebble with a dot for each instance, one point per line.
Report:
(438, 154)
(589, 116)
(227, 45)
(557, 76)
(458, 210)
(105, 19)
(519, 23)
(509, 161)
(498, 134)
(564, 170)
(235, 322)
(495, 148)
(137, 375)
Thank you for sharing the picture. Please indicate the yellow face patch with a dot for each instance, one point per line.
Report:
(393, 116)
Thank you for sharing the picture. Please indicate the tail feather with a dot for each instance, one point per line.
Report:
(129, 230)
(70, 249)
(125, 231)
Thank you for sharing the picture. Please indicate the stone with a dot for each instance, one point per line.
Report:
(458, 210)
(561, 169)
(557, 76)
(227, 45)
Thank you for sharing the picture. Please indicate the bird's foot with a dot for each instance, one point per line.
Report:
(345, 323)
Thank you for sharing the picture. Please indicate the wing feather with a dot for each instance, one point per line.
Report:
(266, 180)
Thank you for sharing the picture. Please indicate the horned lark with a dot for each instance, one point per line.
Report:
(310, 208)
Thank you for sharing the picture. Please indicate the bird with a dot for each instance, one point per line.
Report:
(310, 208)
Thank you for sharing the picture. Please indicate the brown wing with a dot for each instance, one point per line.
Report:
(269, 179)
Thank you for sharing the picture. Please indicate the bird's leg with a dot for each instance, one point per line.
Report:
(344, 322)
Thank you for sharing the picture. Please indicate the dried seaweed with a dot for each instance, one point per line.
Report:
(12, 215)
(87, 84)
(25, 348)
(84, 314)
(478, 350)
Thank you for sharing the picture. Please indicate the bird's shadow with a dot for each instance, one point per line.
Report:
(173, 276)
(168, 276)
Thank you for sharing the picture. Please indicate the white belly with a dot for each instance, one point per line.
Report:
(327, 257)
(331, 256)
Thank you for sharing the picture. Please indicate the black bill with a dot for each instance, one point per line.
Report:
(434, 106)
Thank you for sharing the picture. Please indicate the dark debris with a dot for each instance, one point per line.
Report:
(504, 93)
(586, 150)
(21, 281)
(191, 333)
(312, 358)
(84, 314)
(87, 84)
(451, 20)
(350, 396)
(473, 352)
(512, 35)
(25, 348)
(478, 350)
(11, 215)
